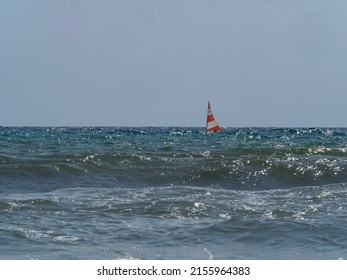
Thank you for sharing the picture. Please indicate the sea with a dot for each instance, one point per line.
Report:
(173, 193)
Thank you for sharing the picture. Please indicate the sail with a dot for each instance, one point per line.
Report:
(211, 124)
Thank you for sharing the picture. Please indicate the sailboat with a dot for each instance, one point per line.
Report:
(211, 124)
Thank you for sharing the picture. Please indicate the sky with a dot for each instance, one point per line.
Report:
(264, 63)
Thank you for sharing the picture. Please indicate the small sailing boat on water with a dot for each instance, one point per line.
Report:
(211, 124)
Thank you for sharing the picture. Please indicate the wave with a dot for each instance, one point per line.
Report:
(248, 158)
(310, 219)
(221, 209)
(234, 168)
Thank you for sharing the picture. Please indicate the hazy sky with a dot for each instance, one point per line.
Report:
(146, 62)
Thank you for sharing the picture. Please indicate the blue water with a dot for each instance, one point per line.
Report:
(173, 193)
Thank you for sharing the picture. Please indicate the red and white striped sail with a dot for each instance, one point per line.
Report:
(211, 124)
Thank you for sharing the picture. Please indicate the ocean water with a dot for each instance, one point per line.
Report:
(173, 193)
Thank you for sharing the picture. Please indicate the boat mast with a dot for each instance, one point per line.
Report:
(211, 123)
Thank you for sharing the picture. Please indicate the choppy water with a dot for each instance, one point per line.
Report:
(173, 193)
